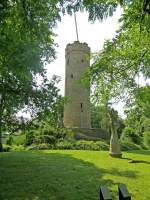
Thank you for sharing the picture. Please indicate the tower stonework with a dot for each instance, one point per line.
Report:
(77, 110)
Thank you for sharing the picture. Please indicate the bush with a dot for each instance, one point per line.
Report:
(18, 148)
(83, 145)
(19, 139)
(129, 135)
(146, 139)
(48, 135)
(48, 139)
(42, 146)
(29, 138)
(91, 145)
(65, 145)
(75, 145)
(7, 148)
(9, 140)
(129, 146)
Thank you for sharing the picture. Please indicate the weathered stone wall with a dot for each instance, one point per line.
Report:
(77, 110)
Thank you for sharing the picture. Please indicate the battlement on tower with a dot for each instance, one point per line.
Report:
(77, 46)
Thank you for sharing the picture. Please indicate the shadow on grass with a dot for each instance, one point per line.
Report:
(126, 173)
(39, 176)
(130, 160)
(141, 152)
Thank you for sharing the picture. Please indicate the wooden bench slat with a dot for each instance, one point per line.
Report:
(105, 193)
(123, 192)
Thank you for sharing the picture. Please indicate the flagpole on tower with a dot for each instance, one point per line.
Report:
(75, 19)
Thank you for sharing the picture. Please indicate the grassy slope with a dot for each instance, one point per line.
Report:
(71, 175)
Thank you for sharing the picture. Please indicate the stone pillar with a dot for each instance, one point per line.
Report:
(77, 110)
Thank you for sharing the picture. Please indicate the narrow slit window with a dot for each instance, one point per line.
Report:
(81, 104)
(71, 75)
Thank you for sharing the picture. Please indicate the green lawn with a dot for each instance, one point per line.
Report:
(71, 175)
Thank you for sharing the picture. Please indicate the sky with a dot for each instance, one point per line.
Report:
(94, 34)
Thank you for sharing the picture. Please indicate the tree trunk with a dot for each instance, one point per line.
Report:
(1, 145)
(1, 114)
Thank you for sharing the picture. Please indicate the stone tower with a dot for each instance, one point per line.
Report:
(77, 110)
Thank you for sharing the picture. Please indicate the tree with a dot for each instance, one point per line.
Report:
(100, 119)
(27, 43)
(26, 37)
(48, 106)
(138, 114)
(124, 58)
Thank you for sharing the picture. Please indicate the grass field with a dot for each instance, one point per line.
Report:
(71, 175)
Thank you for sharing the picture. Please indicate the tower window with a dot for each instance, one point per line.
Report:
(71, 75)
(68, 61)
(82, 60)
(81, 104)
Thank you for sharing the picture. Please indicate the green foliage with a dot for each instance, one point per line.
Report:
(65, 145)
(74, 145)
(146, 139)
(48, 135)
(124, 58)
(91, 145)
(96, 9)
(42, 146)
(29, 137)
(119, 64)
(7, 148)
(138, 118)
(18, 148)
(100, 119)
(129, 146)
(72, 175)
(26, 39)
(19, 139)
(142, 99)
(9, 140)
(130, 135)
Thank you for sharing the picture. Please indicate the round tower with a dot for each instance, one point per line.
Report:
(77, 110)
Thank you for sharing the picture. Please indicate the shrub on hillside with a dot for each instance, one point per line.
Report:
(29, 138)
(19, 139)
(76, 145)
(146, 139)
(91, 145)
(83, 145)
(9, 140)
(65, 145)
(49, 135)
(42, 146)
(129, 135)
(129, 146)
(18, 148)
(7, 148)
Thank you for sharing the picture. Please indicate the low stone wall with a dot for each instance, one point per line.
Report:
(91, 134)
